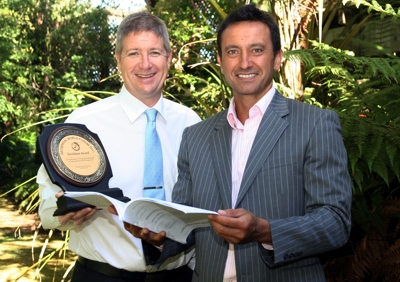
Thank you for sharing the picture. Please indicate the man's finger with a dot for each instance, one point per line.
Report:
(63, 219)
(112, 210)
(59, 194)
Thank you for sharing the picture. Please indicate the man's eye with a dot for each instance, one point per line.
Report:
(232, 52)
(155, 54)
(133, 54)
(257, 50)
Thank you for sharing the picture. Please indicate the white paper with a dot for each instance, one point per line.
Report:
(156, 215)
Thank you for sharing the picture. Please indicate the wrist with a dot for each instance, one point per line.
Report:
(264, 232)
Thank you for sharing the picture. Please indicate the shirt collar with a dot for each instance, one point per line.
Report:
(133, 107)
(262, 105)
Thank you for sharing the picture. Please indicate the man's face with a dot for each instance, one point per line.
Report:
(144, 65)
(247, 59)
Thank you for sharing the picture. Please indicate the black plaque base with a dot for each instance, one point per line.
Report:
(66, 205)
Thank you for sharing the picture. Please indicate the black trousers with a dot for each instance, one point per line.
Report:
(90, 273)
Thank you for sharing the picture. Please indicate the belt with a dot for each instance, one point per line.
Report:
(109, 270)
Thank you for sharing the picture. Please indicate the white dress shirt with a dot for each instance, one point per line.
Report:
(120, 123)
(243, 136)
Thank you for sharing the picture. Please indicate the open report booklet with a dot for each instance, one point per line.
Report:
(156, 215)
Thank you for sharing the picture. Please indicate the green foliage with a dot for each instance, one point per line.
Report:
(357, 85)
(376, 6)
(17, 162)
(48, 45)
(374, 152)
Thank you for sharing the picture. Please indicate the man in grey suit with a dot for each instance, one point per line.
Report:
(274, 168)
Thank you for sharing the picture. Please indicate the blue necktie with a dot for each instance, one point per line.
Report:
(153, 181)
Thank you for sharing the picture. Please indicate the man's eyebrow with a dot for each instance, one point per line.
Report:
(156, 49)
(257, 45)
(234, 46)
(132, 49)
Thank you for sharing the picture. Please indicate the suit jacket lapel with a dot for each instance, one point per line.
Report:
(221, 155)
(271, 127)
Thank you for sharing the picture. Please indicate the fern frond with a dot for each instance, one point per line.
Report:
(380, 167)
(305, 58)
(375, 143)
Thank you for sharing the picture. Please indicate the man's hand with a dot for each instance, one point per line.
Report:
(145, 234)
(77, 217)
(239, 226)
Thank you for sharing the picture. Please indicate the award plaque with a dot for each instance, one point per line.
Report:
(75, 160)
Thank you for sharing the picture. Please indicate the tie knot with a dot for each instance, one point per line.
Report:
(151, 115)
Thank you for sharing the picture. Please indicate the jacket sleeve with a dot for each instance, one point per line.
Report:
(326, 222)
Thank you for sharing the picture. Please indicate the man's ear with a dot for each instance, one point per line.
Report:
(278, 60)
(169, 59)
(219, 62)
(118, 58)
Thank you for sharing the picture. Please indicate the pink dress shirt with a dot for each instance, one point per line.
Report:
(242, 141)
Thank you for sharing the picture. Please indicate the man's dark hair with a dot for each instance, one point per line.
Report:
(250, 13)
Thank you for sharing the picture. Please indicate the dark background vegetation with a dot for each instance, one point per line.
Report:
(57, 55)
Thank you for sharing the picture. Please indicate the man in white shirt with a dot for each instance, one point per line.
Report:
(107, 252)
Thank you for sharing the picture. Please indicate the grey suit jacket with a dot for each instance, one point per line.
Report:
(296, 177)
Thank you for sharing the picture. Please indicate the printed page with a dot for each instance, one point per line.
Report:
(175, 206)
(158, 217)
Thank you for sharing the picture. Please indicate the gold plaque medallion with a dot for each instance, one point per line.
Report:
(76, 156)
